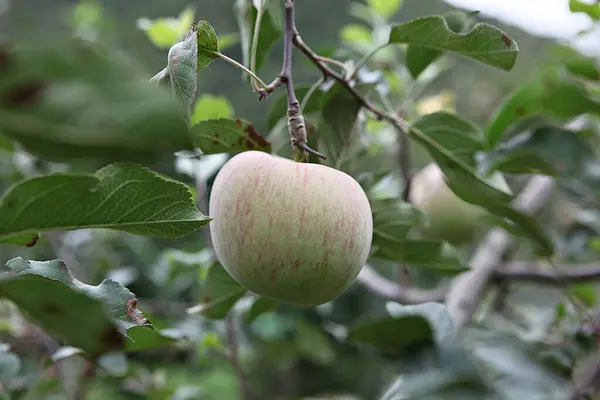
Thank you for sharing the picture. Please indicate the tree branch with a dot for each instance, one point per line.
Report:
(296, 123)
(468, 289)
(234, 359)
(390, 290)
(512, 272)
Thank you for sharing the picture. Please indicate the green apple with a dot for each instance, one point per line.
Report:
(450, 218)
(295, 232)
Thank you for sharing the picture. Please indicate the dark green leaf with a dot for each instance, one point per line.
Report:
(261, 306)
(552, 92)
(394, 335)
(121, 196)
(144, 338)
(483, 42)
(393, 219)
(228, 136)
(48, 294)
(182, 67)
(456, 134)
(208, 44)
(418, 58)
(421, 253)
(465, 183)
(69, 100)
(435, 313)
(219, 294)
(270, 28)
(336, 125)
(591, 9)
(547, 150)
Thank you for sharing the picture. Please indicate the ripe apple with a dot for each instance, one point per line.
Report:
(450, 218)
(295, 232)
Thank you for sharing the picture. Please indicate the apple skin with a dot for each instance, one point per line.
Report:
(294, 232)
(450, 218)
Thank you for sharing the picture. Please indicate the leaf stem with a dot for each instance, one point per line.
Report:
(255, 37)
(361, 63)
(240, 66)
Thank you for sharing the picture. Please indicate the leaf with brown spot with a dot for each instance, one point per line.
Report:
(96, 319)
(228, 136)
(483, 42)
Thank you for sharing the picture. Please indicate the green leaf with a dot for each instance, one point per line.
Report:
(435, 313)
(211, 107)
(336, 124)
(10, 365)
(394, 335)
(165, 32)
(122, 196)
(447, 373)
(552, 92)
(70, 100)
(271, 28)
(393, 219)
(355, 33)
(456, 134)
(547, 150)
(208, 44)
(312, 343)
(228, 136)
(144, 338)
(219, 293)
(467, 185)
(421, 253)
(591, 9)
(261, 305)
(182, 67)
(418, 58)
(577, 63)
(278, 108)
(48, 294)
(386, 8)
(483, 42)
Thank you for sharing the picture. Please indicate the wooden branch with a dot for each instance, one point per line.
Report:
(468, 289)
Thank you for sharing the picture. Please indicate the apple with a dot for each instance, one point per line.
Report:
(295, 232)
(450, 218)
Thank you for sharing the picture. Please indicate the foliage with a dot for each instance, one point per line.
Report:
(106, 170)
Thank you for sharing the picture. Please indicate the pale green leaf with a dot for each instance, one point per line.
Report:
(211, 107)
(386, 8)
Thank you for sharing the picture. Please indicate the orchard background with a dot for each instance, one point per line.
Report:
(110, 288)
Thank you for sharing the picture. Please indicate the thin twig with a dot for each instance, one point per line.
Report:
(234, 359)
(468, 289)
